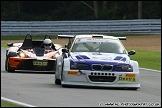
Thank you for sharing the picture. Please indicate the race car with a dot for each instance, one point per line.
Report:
(96, 60)
(31, 56)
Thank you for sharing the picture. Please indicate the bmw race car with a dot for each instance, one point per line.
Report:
(31, 56)
(97, 61)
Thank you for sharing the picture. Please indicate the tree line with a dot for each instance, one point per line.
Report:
(79, 10)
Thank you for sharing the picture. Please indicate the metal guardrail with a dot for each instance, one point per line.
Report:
(142, 26)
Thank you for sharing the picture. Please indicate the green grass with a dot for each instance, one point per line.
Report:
(21, 37)
(132, 34)
(147, 59)
(8, 104)
(3, 44)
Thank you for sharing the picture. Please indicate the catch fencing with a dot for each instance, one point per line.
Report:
(137, 26)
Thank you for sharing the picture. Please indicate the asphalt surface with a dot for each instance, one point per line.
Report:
(39, 89)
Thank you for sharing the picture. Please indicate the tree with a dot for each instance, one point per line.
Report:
(139, 9)
(104, 5)
(95, 9)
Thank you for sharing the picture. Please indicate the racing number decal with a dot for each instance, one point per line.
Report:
(128, 78)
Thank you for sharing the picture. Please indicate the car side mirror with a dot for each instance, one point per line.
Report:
(65, 50)
(131, 52)
(65, 45)
(10, 44)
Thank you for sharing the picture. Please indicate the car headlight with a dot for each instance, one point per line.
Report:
(55, 55)
(124, 67)
(22, 54)
(79, 66)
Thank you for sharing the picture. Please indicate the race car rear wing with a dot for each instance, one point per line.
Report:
(65, 36)
(122, 38)
(70, 36)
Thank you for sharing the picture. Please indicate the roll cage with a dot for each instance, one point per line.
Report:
(28, 43)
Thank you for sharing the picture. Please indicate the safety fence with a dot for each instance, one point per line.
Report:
(137, 26)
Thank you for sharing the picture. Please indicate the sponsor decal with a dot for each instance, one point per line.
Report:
(72, 73)
(92, 40)
(131, 75)
(128, 78)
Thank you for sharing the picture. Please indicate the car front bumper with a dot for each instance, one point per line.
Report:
(101, 79)
(27, 64)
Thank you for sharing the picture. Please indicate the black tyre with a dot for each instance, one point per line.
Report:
(7, 66)
(57, 82)
(6, 61)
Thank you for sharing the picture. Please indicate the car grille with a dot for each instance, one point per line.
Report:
(101, 67)
(102, 78)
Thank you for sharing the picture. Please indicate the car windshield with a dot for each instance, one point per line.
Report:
(98, 45)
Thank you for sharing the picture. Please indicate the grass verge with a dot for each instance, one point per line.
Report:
(22, 37)
(147, 59)
(8, 104)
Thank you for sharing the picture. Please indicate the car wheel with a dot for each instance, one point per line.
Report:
(7, 66)
(57, 82)
(6, 63)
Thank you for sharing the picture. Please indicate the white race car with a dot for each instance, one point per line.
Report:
(97, 61)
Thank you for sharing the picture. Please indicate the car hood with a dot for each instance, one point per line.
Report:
(97, 57)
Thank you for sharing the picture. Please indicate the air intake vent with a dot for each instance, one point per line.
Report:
(107, 67)
(102, 78)
(96, 67)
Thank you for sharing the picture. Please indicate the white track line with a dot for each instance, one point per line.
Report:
(17, 102)
(150, 69)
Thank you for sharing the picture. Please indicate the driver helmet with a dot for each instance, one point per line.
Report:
(47, 43)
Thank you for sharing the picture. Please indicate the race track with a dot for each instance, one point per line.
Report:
(39, 89)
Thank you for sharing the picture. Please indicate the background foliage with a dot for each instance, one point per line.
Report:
(77, 10)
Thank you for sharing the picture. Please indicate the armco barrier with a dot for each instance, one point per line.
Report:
(138, 26)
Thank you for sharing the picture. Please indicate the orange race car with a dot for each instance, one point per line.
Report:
(32, 56)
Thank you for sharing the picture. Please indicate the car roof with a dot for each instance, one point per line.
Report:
(95, 36)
